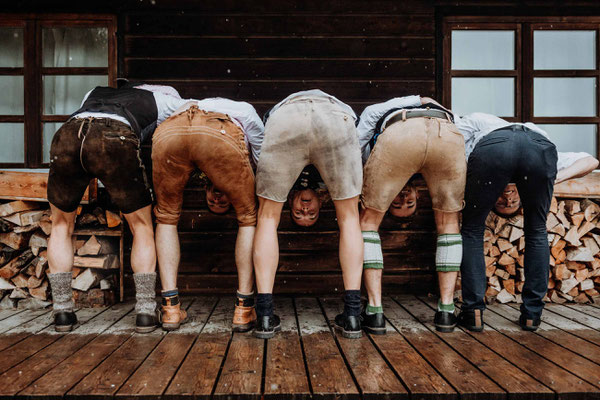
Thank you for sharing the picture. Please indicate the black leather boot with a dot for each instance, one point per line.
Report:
(266, 326)
(145, 323)
(348, 325)
(65, 321)
(373, 323)
(529, 324)
(471, 320)
(444, 321)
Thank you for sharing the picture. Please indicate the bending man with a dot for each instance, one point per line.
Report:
(501, 153)
(400, 138)
(222, 138)
(309, 127)
(102, 140)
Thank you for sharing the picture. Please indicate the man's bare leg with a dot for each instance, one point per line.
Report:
(266, 258)
(60, 265)
(351, 260)
(168, 253)
(244, 315)
(243, 259)
(370, 220)
(143, 263)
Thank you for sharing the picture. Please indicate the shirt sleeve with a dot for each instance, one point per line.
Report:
(166, 105)
(85, 98)
(371, 115)
(565, 160)
(255, 132)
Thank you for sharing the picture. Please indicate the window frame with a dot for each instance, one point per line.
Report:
(33, 71)
(524, 28)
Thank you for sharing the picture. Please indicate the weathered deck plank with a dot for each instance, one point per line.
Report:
(154, 375)
(285, 374)
(25, 330)
(200, 369)
(374, 377)
(518, 384)
(21, 375)
(327, 371)
(108, 377)
(13, 355)
(468, 381)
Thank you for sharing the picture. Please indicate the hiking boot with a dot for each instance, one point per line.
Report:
(172, 316)
(529, 324)
(65, 321)
(373, 323)
(244, 317)
(146, 323)
(348, 325)
(444, 321)
(266, 326)
(471, 320)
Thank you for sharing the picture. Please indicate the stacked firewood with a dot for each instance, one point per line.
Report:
(574, 240)
(24, 231)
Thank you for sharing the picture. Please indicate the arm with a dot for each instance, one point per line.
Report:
(579, 168)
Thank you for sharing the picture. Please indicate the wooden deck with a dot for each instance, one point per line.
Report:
(104, 358)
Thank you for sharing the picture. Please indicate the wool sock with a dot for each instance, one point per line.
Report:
(352, 303)
(373, 309)
(373, 256)
(448, 255)
(62, 294)
(145, 292)
(445, 307)
(247, 299)
(264, 305)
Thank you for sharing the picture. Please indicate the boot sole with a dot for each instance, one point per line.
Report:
(445, 328)
(242, 327)
(145, 329)
(65, 328)
(348, 334)
(529, 328)
(375, 331)
(267, 334)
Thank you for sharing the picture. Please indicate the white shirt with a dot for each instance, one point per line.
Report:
(372, 114)
(166, 104)
(242, 113)
(316, 93)
(476, 126)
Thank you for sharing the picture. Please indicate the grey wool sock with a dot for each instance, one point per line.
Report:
(145, 293)
(62, 294)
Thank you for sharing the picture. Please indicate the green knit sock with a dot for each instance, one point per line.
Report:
(445, 307)
(374, 309)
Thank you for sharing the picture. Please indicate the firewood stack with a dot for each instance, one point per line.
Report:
(574, 240)
(24, 231)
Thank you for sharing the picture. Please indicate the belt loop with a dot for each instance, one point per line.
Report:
(448, 116)
(403, 115)
(80, 129)
(439, 123)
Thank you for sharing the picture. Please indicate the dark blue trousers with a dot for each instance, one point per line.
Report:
(510, 155)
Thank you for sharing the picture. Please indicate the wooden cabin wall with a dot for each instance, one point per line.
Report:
(361, 54)
(260, 51)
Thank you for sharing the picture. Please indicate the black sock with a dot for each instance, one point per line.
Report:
(170, 297)
(352, 303)
(247, 299)
(264, 304)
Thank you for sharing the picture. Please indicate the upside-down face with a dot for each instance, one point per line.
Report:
(405, 203)
(217, 201)
(305, 206)
(509, 201)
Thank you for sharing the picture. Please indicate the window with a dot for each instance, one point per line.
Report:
(542, 70)
(48, 63)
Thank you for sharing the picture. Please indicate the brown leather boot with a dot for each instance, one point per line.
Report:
(244, 317)
(172, 316)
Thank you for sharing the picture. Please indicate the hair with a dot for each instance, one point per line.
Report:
(507, 216)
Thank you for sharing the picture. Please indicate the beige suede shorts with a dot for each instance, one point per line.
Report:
(309, 130)
(431, 146)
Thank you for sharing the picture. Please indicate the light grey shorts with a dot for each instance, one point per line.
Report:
(309, 130)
